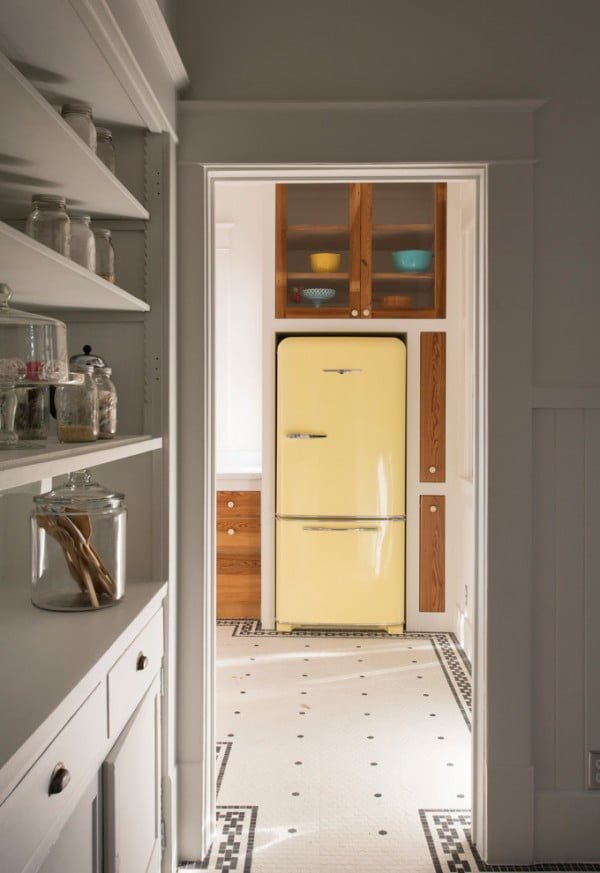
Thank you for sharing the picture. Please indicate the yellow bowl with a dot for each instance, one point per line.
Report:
(325, 262)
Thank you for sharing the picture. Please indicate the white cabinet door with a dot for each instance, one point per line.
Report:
(131, 779)
(78, 845)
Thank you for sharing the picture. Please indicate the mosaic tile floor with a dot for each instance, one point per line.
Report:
(343, 752)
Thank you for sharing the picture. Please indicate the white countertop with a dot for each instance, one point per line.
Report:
(239, 480)
(51, 661)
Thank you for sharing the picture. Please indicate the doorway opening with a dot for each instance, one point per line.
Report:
(256, 666)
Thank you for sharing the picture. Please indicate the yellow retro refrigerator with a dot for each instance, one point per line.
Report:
(340, 505)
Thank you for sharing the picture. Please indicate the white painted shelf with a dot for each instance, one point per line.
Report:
(39, 276)
(23, 466)
(75, 50)
(40, 153)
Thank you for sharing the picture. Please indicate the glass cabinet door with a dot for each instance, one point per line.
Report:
(318, 250)
(403, 242)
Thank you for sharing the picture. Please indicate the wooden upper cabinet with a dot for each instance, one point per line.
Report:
(366, 225)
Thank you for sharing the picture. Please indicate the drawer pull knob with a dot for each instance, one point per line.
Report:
(366, 312)
(433, 508)
(142, 661)
(230, 504)
(432, 469)
(231, 531)
(59, 780)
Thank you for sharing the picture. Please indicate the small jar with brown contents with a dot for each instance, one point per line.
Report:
(105, 254)
(77, 410)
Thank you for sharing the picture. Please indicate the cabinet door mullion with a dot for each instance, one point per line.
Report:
(366, 247)
(281, 250)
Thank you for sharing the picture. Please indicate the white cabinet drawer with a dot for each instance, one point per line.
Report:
(133, 673)
(31, 813)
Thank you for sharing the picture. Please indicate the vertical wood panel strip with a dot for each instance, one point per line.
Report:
(544, 594)
(365, 300)
(570, 600)
(592, 575)
(440, 250)
(432, 564)
(280, 250)
(432, 455)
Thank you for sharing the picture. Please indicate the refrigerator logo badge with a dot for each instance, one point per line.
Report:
(341, 371)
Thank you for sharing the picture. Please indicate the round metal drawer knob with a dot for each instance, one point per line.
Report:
(59, 780)
(366, 312)
(432, 469)
(142, 661)
(433, 508)
(230, 504)
(354, 313)
(231, 531)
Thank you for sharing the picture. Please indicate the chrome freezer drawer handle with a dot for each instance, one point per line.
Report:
(306, 436)
(322, 529)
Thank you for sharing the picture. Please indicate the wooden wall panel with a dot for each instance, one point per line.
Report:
(432, 452)
(432, 553)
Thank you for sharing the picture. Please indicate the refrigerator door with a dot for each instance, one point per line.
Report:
(340, 573)
(341, 426)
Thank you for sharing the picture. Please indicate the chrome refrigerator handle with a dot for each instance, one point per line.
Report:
(306, 436)
(322, 528)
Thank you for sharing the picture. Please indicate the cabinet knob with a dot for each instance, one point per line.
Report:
(59, 780)
(354, 313)
(433, 508)
(142, 661)
(231, 531)
(366, 312)
(432, 469)
(230, 504)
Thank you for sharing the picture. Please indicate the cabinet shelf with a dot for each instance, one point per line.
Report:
(23, 466)
(317, 277)
(40, 153)
(401, 277)
(39, 276)
(314, 237)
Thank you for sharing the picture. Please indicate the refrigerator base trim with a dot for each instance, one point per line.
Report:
(288, 627)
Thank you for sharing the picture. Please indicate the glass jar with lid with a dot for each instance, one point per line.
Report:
(78, 538)
(33, 352)
(32, 418)
(49, 224)
(79, 117)
(105, 149)
(107, 403)
(105, 254)
(77, 410)
(83, 241)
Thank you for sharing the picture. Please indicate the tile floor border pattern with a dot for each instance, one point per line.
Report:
(452, 657)
(233, 845)
(223, 752)
(448, 835)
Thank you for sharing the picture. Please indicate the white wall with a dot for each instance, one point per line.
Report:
(240, 213)
(469, 50)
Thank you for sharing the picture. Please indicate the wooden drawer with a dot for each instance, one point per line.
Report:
(30, 814)
(238, 586)
(238, 503)
(133, 673)
(234, 534)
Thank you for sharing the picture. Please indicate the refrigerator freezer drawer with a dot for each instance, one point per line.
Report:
(340, 572)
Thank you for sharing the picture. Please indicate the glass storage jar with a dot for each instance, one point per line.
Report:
(79, 117)
(77, 410)
(83, 241)
(33, 412)
(78, 534)
(107, 403)
(105, 254)
(49, 224)
(106, 149)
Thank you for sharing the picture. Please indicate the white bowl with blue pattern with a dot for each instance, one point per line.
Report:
(317, 296)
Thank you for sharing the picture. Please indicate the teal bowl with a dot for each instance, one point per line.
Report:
(412, 260)
(318, 296)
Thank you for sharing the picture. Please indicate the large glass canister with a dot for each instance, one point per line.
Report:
(78, 538)
(49, 224)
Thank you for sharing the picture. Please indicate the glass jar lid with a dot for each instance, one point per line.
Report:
(49, 199)
(80, 216)
(102, 231)
(85, 108)
(105, 371)
(104, 133)
(80, 492)
(33, 347)
(83, 360)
